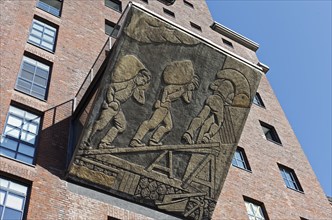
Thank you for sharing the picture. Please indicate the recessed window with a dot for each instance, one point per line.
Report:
(168, 12)
(51, 6)
(290, 178)
(258, 100)
(301, 218)
(195, 26)
(114, 4)
(33, 78)
(146, 1)
(240, 160)
(13, 198)
(188, 3)
(167, 2)
(111, 29)
(228, 43)
(20, 135)
(255, 209)
(112, 218)
(42, 35)
(270, 133)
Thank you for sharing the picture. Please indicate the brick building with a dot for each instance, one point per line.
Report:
(52, 50)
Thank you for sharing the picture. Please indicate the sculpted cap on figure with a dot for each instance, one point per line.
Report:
(181, 82)
(130, 79)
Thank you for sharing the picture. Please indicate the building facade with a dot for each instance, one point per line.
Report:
(50, 52)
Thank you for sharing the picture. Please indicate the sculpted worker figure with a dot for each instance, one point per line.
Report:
(130, 79)
(211, 117)
(181, 82)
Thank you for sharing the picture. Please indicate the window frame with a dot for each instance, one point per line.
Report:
(243, 160)
(259, 101)
(196, 26)
(169, 12)
(18, 141)
(271, 134)
(227, 43)
(46, 26)
(113, 34)
(115, 2)
(293, 178)
(167, 2)
(43, 6)
(37, 63)
(189, 4)
(257, 204)
(9, 191)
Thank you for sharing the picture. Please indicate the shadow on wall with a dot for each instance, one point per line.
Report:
(54, 137)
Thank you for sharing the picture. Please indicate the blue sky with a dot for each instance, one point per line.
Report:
(295, 42)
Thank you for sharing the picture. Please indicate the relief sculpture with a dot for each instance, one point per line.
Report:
(130, 79)
(212, 116)
(181, 82)
(169, 149)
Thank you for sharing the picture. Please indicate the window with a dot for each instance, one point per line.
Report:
(258, 100)
(42, 35)
(240, 159)
(270, 133)
(20, 135)
(51, 6)
(168, 12)
(290, 178)
(255, 209)
(114, 4)
(33, 78)
(112, 218)
(146, 1)
(188, 3)
(228, 43)
(12, 199)
(195, 26)
(111, 29)
(167, 2)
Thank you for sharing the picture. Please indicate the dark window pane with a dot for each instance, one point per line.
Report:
(9, 144)
(11, 214)
(51, 6)
(26, 149)
(28, 67)
(26, 86)
(27, 75)
(240, 160)
(40, 81)
(38, 90)
(24, 158)
(115, 4)
(7, 153)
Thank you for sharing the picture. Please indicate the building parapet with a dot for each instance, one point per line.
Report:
(221, 29)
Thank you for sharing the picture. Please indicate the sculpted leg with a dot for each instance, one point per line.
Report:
(162, 130)
(157, 117)
(195, 124)
(120, 124)
(105, 117)
(205, 128)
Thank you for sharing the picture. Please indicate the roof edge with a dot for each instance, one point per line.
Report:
(221, 29)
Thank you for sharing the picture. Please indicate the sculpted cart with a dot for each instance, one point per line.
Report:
(164, 119)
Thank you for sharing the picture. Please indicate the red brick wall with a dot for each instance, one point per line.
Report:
(80, 39)
(265, 182)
